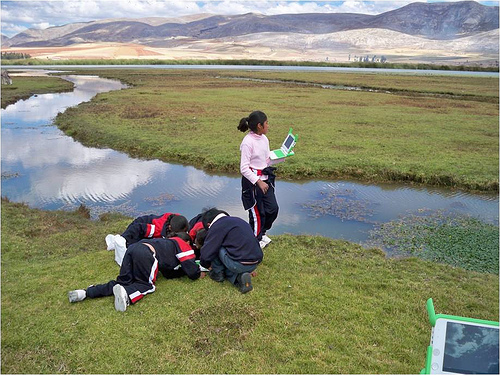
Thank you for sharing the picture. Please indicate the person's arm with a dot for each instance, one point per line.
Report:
(188, 264)
(211, 247)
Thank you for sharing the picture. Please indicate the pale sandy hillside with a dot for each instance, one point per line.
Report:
(334, 47)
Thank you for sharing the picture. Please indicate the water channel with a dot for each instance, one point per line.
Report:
(47, 169)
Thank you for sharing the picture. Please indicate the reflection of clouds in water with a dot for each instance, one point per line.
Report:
(39, 109)
(94, 84)
(199, 183)
(34, 150)
(223, 193)
(105, 180)
(290, 219)
(60, 168)
(45, 107)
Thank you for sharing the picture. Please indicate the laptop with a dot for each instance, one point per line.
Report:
(462, 347)
(286, 147)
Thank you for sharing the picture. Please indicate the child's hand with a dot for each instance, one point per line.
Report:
(263, 186)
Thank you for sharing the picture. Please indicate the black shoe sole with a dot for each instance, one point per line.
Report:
(245, 283)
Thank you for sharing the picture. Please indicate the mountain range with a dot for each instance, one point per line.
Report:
(451, 33)
(439, 21)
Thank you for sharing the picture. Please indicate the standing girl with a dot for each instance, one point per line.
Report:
(257, 182)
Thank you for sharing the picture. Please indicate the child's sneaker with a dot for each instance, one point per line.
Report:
(120, 248)
(110, 242)
(266, 239)
(77, 295)
(121, 298)
(262, 244)
(244, 282)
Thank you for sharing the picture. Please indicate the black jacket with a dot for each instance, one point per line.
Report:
(236, 236)
(172, 253)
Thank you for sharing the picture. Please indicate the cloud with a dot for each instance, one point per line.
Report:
(20, 15)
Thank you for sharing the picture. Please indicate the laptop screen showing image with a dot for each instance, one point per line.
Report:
(470, 349)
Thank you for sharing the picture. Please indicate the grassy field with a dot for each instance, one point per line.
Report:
(318, 306)
(24, 87)
(439, 131)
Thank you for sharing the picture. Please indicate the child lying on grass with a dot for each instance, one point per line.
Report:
(173, 257)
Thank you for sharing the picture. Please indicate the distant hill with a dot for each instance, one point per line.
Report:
(440, 21)
(4, 39)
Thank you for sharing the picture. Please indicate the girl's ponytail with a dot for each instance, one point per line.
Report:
(243, 126)
(251, 122)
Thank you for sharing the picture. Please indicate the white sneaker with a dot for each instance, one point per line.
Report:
(266, 239)
(77, 295)
(110, 242)
(120, 248)
(121, 298)
(262, 244)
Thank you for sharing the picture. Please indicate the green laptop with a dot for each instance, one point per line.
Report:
(286, 148)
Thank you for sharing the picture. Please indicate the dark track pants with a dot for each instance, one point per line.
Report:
(137, 275)
(138, 229)
(265, 211)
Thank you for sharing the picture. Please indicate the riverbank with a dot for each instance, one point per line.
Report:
(326, 307)
(250, 62)
(24, 87)
(440, 131)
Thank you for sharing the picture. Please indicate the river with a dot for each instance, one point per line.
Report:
(270, 67)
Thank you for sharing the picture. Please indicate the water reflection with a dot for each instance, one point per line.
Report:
(46, 169)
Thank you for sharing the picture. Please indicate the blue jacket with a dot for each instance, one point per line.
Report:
(236, 236)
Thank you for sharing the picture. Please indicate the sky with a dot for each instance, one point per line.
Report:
(17, 16)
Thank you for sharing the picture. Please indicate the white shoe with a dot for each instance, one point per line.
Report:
(262, 244)
(77, 295)
(266, 239)
(110, 242)
(120, 248)
(121, 298)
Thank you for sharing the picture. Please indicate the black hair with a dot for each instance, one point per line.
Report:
(183, 236)
(178, 223)
(210, 215)
(200, 236)
(251, 122)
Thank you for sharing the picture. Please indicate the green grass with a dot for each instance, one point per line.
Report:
(318, 306)
(413, 135)
(24, 87)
